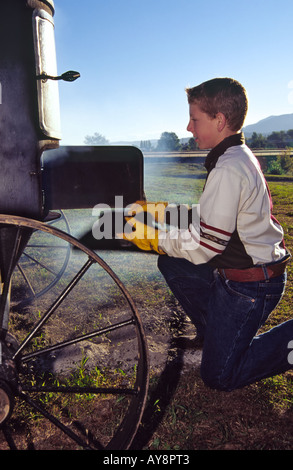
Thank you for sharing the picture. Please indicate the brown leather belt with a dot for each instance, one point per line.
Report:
(255, 274)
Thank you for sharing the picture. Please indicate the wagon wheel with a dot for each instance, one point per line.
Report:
(34, 276)
(82, 370)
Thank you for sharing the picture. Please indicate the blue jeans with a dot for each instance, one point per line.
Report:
(228, 315)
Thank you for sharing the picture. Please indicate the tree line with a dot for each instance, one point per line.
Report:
(170, 142)
(279, 140)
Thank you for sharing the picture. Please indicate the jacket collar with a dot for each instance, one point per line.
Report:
(216, 152)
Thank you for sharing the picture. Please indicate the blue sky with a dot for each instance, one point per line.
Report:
(136, 57)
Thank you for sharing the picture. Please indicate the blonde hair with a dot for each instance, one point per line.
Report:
(224, 95)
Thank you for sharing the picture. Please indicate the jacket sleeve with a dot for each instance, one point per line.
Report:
(217, 218)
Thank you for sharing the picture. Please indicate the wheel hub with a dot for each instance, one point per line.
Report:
(8, 377)
(6, 403)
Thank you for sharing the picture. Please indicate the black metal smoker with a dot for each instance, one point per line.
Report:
(32, 185)
(30, 121)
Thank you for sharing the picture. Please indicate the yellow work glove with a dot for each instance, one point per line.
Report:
(143, 236)
(155, 211)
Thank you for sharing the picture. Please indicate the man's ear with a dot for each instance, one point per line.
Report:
(221, 121)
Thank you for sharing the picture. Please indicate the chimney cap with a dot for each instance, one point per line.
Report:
(47, 5)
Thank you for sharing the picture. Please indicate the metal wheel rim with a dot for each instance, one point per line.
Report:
(57, 276)
(128, 427)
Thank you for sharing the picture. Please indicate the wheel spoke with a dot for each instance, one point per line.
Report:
(55, 421)
(76, 340)
(38, 263)
(26, 279)
(8, 437)
(39, 254)
(82, 389)
(54, 306)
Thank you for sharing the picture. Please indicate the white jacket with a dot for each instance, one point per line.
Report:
(237, 229)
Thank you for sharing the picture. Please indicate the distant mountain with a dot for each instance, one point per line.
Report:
(266, 126)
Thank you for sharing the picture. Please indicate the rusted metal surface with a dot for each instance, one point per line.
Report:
(22, 140)
(22, 137)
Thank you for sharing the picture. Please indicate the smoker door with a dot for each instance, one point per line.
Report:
(82, 176)
(48, 91)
